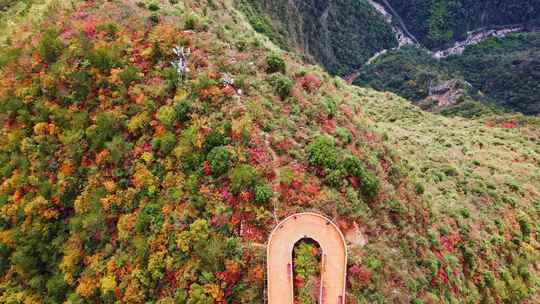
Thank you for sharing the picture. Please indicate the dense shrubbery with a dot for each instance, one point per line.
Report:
(408, 72)
(307, 260)
(505, 70)
(115, 147)
(323, 153)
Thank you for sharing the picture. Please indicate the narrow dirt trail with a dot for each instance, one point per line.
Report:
(280, 264)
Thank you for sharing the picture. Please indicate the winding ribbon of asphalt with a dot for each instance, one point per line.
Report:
(280, 251)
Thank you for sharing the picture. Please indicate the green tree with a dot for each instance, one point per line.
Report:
(219, 160)
(243, 178)
(274, 63)
(322, 152)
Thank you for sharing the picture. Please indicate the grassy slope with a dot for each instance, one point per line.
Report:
(474, 153)
(480, 177)
(19, 12)
(121, 214)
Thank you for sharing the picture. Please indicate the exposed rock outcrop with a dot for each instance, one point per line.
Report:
(448, 93)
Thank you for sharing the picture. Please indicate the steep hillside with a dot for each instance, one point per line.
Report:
(136, 171)
(346, 36)
(339, 35)
(438, 22)
(14, 12)
(506, 70)
(501, 71)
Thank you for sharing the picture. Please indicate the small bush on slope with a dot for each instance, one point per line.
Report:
(322, 152)
(275, 63)
(243, 178)
(282, 85)
(219, 160)
(50, 47)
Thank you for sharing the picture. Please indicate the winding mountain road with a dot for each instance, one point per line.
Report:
(280, 264)
(401, 23)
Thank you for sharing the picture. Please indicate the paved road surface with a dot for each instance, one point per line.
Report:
(280, 250)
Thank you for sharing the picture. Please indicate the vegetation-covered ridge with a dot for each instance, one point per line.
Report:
(437, 22)
(344, 36)
(129, 177)
(501, 71)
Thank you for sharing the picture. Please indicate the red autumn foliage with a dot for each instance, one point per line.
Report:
(219, 220)
(508, 125)
(207, 169)
(298, 192)
(354, 181)
(257, 155)
(230, 278)
(361, 273)
(245, 196)
(299, 282)
(296, 93)
(283, 146)
(310, 82)
(441, 278)
(490, 124)
(449, 242)
(328, 124)
(97, 236)
(170, 278)
(89, 29)
(228, 91)
(215, 93)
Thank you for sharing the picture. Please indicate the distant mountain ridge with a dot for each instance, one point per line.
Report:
(439, 22)
(351, 38)
(339, 35)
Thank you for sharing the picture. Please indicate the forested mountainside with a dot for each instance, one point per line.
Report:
(435, 23)
(340, 35)
(347, 36)
(149, 147)
(502, 72)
